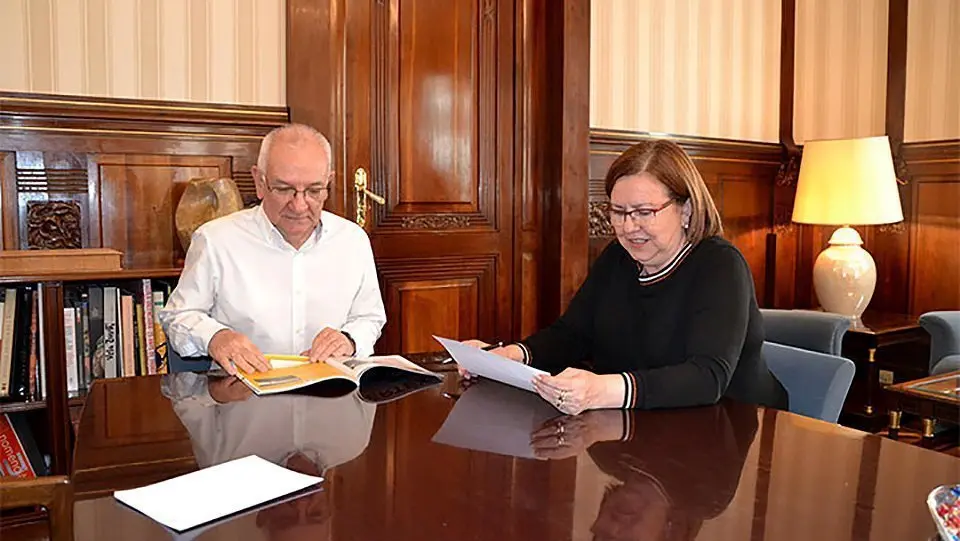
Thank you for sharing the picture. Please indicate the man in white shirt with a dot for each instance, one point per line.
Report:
(284, 277)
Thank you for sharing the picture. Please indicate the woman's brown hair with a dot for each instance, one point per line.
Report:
(666, 161)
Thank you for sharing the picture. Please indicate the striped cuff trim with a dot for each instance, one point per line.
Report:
(630, 390)
(628, 429)
(526, 353)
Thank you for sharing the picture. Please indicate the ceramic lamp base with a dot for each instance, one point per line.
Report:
(845, 275)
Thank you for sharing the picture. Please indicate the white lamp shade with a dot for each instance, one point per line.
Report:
(847, 182)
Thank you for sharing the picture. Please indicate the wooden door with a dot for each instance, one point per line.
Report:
(419, 95)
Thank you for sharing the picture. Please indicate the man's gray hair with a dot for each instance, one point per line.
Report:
(295, 132)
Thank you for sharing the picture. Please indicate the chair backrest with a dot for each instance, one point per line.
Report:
(816, 382)
(805, 329)
(944, 330)
(55, 493)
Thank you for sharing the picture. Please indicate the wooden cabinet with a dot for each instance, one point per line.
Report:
(887, 349)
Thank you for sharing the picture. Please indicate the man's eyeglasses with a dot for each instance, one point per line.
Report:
(315, 193)
(640, 216)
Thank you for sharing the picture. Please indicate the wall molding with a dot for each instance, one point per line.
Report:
(616, 141)
(54, 114)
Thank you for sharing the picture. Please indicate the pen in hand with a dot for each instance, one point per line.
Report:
(484, 348)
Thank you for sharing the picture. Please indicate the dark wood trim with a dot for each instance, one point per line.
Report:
(896, 71)
(124, 274)
(764, 469)
(932, 151)
(565, 162)
(788, 38)
(706, 147)
(57, 114)
(866, 487)
(58, 411)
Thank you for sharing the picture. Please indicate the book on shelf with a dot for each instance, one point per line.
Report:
(19, 336)
(19, 455)
(377, 379)
(115, 330)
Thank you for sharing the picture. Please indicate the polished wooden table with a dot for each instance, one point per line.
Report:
(730, 471)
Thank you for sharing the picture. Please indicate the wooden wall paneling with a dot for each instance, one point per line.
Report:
(8, 200)
(530, 73)
(566, 154)
(437, 169)
(316, 86)
(57, 148)
(52, 190)
(934, 230)
(138, 195)
(446, 296)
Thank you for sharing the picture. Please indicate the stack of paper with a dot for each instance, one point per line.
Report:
(206, 495)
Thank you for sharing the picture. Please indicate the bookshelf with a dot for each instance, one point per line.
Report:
(49, 417)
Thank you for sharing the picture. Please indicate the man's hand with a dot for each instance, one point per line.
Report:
(233, 350)
(329, 343)
(225, 390)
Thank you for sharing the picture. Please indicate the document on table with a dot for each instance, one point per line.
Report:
(205, 495)
(490, 365)
(495, 418)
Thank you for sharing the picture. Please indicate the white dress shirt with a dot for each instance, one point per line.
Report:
(241, 274)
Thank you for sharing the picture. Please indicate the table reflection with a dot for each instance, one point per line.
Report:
(307, 434)
(669, 471)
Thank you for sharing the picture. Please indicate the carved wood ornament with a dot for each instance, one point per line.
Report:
(53, 225)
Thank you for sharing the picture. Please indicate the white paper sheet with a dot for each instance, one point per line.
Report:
(205, 495)
(495, 418)
(489, 365)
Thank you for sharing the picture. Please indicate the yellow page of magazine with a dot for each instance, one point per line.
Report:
(290, 372)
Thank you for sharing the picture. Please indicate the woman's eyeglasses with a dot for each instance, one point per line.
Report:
(640, 216)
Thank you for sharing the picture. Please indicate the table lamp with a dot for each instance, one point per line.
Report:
(846, 182)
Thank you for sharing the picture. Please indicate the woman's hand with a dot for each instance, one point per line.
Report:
(511, 352)
(573, 390)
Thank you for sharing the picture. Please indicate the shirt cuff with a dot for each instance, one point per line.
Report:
(527, 358)
(203, 332)
(363, 339)
(631, 390)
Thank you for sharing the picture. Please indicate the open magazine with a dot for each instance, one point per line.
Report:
(377, 379)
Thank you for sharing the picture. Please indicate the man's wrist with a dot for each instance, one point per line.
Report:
(353, 342)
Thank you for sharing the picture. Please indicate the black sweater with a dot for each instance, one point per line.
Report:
(686, 339)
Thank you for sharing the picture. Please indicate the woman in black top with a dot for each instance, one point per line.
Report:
(667, 316)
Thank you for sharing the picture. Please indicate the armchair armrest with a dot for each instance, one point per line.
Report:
(944, 329)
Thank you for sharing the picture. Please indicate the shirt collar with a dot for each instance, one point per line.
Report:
(274, 237)
(667, 269)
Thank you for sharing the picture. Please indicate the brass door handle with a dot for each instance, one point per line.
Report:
(362, 193)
